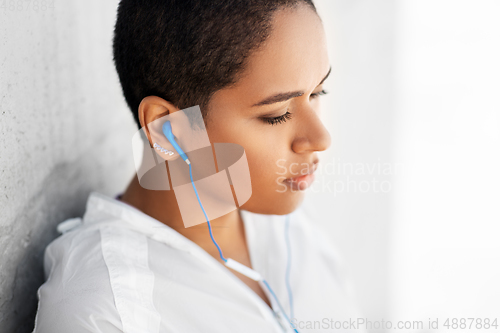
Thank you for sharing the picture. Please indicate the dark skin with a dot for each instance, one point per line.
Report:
(293, 60)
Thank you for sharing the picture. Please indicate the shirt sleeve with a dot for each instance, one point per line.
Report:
(77, 295)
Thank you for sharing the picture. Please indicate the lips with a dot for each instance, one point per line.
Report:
(304, 179)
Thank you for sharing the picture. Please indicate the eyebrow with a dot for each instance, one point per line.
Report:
(281, 97)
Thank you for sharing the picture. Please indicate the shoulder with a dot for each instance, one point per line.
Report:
(315, 247)
(77, 294)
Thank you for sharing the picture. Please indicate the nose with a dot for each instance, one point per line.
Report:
(312, 134)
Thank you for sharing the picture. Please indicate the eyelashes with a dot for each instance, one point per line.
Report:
(287, 116)
(278, 120)
(319, 93)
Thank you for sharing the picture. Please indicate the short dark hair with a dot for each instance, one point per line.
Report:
(186, 50)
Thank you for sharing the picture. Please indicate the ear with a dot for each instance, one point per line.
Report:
(151, 109)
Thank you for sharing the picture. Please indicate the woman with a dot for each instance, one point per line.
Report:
(256, 69)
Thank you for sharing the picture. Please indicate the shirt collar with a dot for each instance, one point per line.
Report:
(101, 209)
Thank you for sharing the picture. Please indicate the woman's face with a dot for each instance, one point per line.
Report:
(284, 75)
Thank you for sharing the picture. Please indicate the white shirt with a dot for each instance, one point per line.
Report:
(120, 270)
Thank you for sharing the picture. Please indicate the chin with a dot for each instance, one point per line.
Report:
(282, 204)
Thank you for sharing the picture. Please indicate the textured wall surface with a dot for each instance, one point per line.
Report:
(62, 119)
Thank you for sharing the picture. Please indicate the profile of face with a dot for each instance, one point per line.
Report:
(272, 111)
(284, 76)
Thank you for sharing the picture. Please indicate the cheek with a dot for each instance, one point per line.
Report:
(267, 170)
(264, 156)
(262, 153)
(267, 150)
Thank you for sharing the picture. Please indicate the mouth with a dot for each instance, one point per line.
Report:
(304, 179)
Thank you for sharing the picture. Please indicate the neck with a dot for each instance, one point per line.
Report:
(228, 230)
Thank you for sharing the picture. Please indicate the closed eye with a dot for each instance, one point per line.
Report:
(319, 93)
(278, 120)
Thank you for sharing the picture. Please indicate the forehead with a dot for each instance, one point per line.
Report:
(294, 57)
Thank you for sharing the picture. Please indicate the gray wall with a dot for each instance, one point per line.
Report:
(62, 117)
